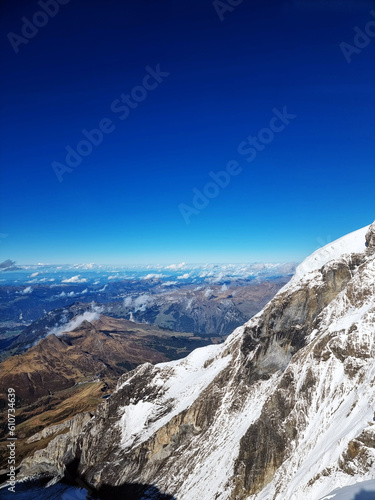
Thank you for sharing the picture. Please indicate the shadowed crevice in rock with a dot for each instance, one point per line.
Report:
(128, 491)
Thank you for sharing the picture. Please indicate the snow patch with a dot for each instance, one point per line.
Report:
(182, 381)
(351, 243)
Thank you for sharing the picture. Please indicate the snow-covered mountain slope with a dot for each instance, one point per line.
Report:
(283, 410)
(351, 243)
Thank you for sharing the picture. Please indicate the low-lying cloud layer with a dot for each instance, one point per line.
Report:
(75, 279)
(92, 315)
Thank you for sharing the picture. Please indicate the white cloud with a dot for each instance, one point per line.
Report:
(169, 283)
(128, 301)
(141, 302)
(183, 276)
(75, 279)
(84, 266)
(66, 294)
(113, 277)
(71, 294)
(152, 276)
(33, 275)
(174, 267)
(89, 316)
(26, 290)
(218, 278)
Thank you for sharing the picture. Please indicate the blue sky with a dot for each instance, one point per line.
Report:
(313, 182)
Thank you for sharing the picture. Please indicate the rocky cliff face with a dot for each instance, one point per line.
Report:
(71, 373)
(283, 410)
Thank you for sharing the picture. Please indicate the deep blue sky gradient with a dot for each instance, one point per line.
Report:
(313, 183)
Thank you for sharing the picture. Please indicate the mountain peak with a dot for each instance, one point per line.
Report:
(354, 242)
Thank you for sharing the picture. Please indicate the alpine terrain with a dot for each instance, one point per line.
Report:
(283, 410)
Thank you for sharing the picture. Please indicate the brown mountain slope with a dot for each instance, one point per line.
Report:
(63, 375)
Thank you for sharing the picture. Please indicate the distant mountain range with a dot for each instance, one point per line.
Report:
(212, 311)
(8, 265)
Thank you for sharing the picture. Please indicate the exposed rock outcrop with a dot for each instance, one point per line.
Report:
(49, 431)
(370, 239)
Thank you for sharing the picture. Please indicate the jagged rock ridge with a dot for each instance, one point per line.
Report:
(283, 410)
